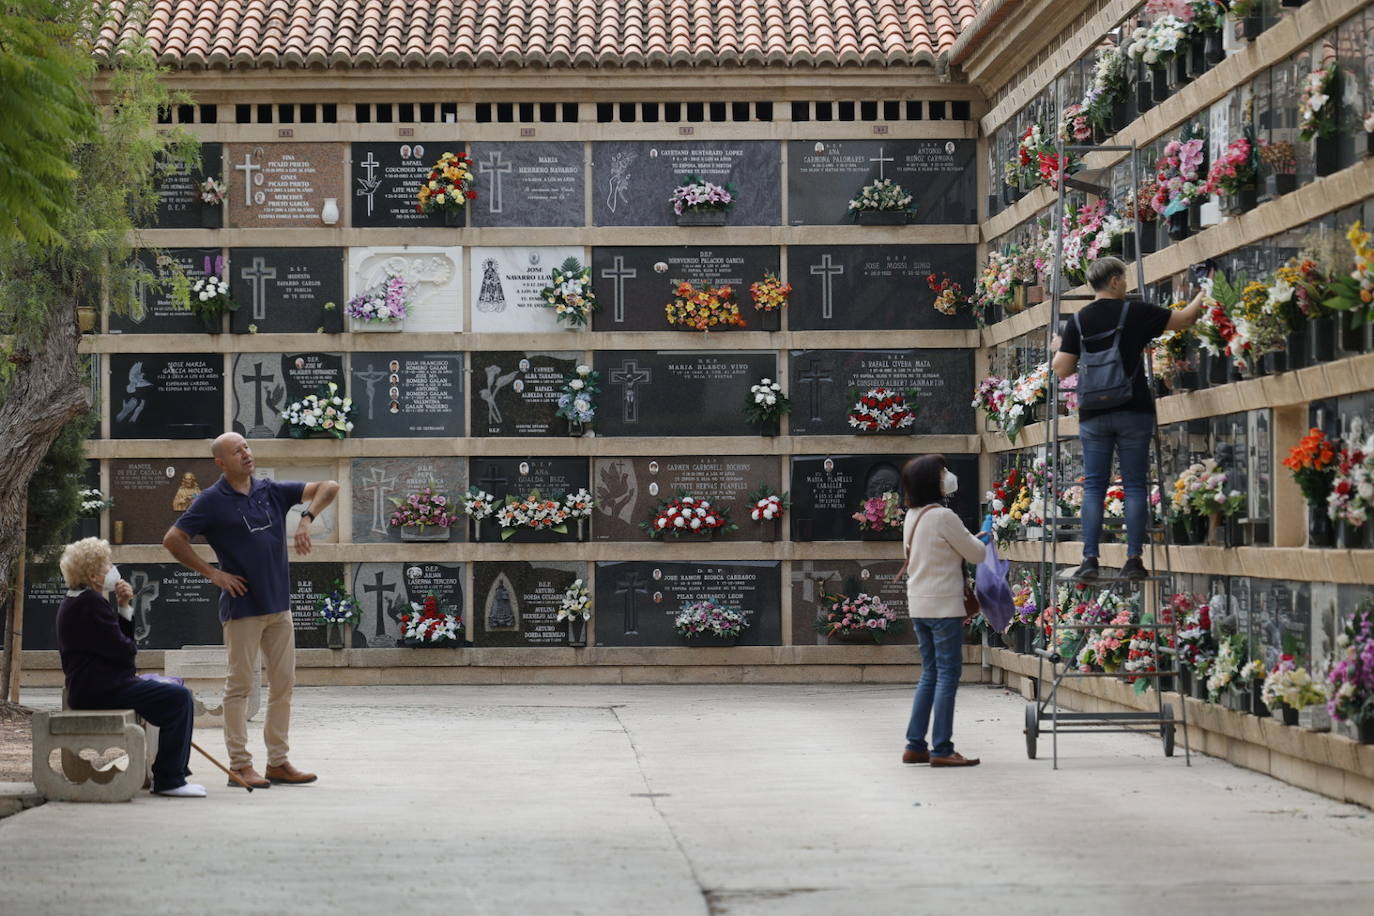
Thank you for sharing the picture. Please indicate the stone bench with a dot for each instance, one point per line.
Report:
(73, 731)
(203, 668)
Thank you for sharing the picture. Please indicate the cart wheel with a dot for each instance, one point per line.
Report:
(1032, 727)
(1166, 731)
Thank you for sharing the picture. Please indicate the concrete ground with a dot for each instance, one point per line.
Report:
(691, 800)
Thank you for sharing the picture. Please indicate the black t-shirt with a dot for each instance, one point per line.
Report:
(1144, 323)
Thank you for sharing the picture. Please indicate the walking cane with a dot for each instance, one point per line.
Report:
(232, 775)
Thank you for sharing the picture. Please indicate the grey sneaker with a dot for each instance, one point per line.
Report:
(1134, 568)
(1087, 570)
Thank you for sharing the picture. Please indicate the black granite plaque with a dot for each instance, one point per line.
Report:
(518, 477)
(516, 394)
(417, 395)
(516, 604)
(633, 180)
(633, 285)
(385, 591)
(377, 482)
(532, 183)
(309, 582)
(644, 392)
(386, 178)
(153, 310)
(264, 383)
(823, 176)
(828, 490)
(824, 384)
(812, 578)
(869, 287)
(629, 490)
(178, 189)
(287, 290)
(160, 396)
(636, 602)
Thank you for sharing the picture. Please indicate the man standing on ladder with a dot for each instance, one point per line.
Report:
(1117, 410)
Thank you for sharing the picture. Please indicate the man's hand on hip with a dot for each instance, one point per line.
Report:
(236, 586)
(303, 537)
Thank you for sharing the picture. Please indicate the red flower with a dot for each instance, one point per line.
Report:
(472, 195)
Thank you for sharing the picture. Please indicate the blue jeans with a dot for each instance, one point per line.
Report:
(942, 656)
(1129, 433)
(173, 710)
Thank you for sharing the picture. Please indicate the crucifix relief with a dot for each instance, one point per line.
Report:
(629, 376)
(493, 481)
(370, 378)
(257, 378)
(248, 167)
(880, 159)
(379, 484)
(258, 273)
(619, 273)
(813, 377)
(495, 166)
(827, 270)
(630, 585)
(367, 187)
(380, 588)
(145, 590)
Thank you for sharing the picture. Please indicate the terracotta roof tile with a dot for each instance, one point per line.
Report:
(537, 33)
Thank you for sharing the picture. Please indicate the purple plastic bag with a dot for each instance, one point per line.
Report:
(994, 594)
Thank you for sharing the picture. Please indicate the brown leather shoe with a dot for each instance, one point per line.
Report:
(288, 774)
(252, 777)
(910, 756)
(953, 760)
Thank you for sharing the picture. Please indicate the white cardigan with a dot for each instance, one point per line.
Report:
(935, 562)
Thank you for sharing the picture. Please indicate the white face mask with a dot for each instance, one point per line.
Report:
(112, 578)
(949, 484)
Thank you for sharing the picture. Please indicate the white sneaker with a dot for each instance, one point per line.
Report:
(190, 790)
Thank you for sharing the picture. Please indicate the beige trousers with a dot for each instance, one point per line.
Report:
(275, 636)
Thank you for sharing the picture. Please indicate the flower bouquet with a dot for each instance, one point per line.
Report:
(212, 193)
(1352, 488)
(427, 625)
(425, 516)
(767, 508)
(575, 607)
(1235, 172)
(478, 505)
(705, 620)
(881, 203)
(1314, 462)
(577, 399)
(92, 502)
(766, 406)
(1224, 672)
(1196, 646)
(863, 618)
(1169, 357)
(1291, 689)
(687, 514)
(1258, 326)
(325, 413)
(570, 294)
(1200, 494)
(1351, 678)
(535, 511)
(1156, 44)
(881, 513)
(447, 188)
(881, 410)
(770, 297)
(209, 297)
(1318, 115)
(949, 295)
(698, 202)
(1106, 649)
(578, 506)
(382, 307)
(339, 607)
(703, 308)
(1179, 179)
(1103, 102)
(1142, 658)
(1354, 292)
(991, 397)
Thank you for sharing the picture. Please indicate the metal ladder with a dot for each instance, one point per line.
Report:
(1148, 591)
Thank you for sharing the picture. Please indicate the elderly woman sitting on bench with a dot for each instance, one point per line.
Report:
(97, 647)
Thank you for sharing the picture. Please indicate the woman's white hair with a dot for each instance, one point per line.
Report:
(83, 561)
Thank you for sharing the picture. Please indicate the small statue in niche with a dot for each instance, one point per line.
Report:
(186, 493)
(491, 297)
(500, 606)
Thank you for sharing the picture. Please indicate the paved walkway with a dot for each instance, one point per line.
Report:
(691, 800)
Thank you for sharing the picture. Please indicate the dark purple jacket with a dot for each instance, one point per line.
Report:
(97, 648)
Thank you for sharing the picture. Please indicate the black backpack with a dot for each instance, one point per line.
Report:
(1103, 382)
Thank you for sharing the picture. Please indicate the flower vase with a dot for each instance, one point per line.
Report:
(1326, 154)
(1160, 84)
(1178, 72)
(212, 325)
(1321, 531)
(577, 631)
(1198, 61)
(857, 637)
(581, 529)
(1348, 536)
(424, 533)
(1276, 185)
(1242, 201)
(1250, 28)
(333, 634)
(1257, 704)
(1369, 143)
(1195, 216)
(1213, 50)
(766, 428)
(1216, 530)
(881, 217)
(992, 205)
(1185, 682)
(1321, 339)
(1200, 687)
(359, 326)
(576, 428)
(1290, 715)
(866, 533)
(1025, 638)
(1218, 368)
(1119, 117)
(477, 525)
(87, 316)
(1365, 730)
(453, 217)
(211, 216)
(709, 640)
(768, 530)
(1177, 228)
(712, 217)
(1010, 194)
(1315, 718)
(1352, 339)
(770, 320)
(1018, 299)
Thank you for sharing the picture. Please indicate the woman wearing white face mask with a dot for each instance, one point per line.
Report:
(96, 643)
(936, 545)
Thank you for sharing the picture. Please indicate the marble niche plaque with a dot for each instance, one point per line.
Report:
(518, 477)
(643, 391)
(532, 183)
(399, 395)
(284, 185)
(634, 284)
(627, 490)
(870, 287)
(508, 284)
(150, 495)
(811, 578)
(166, 396)
(632, 180)
(309, 583)
(377, 482)
(823, 176)
(265, 383)
(178, 189)
(286, 290)
(153, 310)
(516, 393)
(637, 601)
(385, 591)
(824, 384)
(828, 489)
(386, 177)
(515, 605)
(436, 275)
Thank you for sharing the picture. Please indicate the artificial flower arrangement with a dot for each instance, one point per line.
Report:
(1007, 502)
(703, 308)
(1354, 292)
(883, 195)
(1156, 44)
(576, 602)
(385, 303)
(1026, 391)
(995, 285)
(1299, 289)
(1107, 87)
(1225, 671)
(881, 513)
(696, 194)
(881, 410)
(1196, 645)
(539, 512)
(770, 293)
(1258, 326)
(1025, 601)
(706, 618)
(1106, 648)
(687, 514)
(1278, 156)
(426, 623)
(425, 509)
(1090, 232)
(765, 505)
(766, 402)
(209, 294)
(1314, 462)
(326, 412)
(1200, 491)
(1180, 175)
(991, 396)
(1214, 327)
(1235, 170)
(1291, 686)
(1317, 110)
(1142, 658)
(1140, 206)
(339, 607)
(1074, 124)
(863, 616)
(213, 191)
(92, 502)
(1025, 167)
(1351, 678)
(570, 294)
(1169, 352)
(448, 186)
(478, 504)
(949, 295)
(577, 396)
(1352, 487)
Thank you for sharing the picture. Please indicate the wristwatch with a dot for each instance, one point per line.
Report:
(308, 515)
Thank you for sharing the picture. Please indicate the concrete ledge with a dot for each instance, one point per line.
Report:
(18, 796)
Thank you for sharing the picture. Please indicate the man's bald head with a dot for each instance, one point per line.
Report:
(225, 444)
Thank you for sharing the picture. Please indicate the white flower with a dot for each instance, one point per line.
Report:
(584, 370)
(577, 384)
